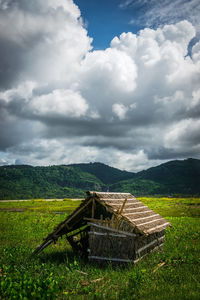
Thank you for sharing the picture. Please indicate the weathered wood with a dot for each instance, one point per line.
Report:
(112, 229)
(117, 205)
(144, 218)
(152, 250)
(158, 226)
(121, 209)
(160, 265)
(78, 211)
(64, 224)
(135, 220)
(150, 244)
(119, 200)
(155, 220)
(134, 208)
(140, 212)
(78, 232)
(42, 247)
(94, 220)
(130, 208)
(73, 244)
(93, 207)
(108, 234)
(108, 193)
(109, 259)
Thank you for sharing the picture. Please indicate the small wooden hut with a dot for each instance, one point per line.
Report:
(112, 227)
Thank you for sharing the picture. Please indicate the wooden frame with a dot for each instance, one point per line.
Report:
(150, 244)
(112, 229)
(109, 258)
(107, 234)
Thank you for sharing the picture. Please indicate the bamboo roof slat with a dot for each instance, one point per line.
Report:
(113, 200)
(152, 221)
(129, 204)
(154, 229)
(141, 213)
(134, 211)
(135, 208)
(144, 218)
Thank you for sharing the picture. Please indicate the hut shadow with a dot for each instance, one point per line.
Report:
(58, 257)
(68, 257)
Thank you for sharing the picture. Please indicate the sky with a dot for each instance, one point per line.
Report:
(116, 82)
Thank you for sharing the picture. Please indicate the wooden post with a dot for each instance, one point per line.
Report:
(119, 213)
(121, 209)
(93, 207)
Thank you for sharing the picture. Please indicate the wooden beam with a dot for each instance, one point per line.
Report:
(42, 247)
(154, 249)
(93, 206)
(94, 220)
(74, 234)
(107, 234)
(121, 209)
(150, 244)
(78, 211)
(112, 229)
(110, 259)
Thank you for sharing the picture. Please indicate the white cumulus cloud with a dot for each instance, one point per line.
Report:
(133, 104)
(65, 103)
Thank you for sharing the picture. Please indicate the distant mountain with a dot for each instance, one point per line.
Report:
(176, 170)
(179, 177)
(106, 174)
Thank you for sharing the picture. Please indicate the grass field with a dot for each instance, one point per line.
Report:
(56, 273)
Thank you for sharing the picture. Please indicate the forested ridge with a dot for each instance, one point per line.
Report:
(180, 177)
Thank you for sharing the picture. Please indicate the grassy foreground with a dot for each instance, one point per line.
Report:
(56, 273)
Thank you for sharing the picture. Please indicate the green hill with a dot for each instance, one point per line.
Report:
(178, 176)
(106, 174)
(21, 182)
(171, 178)
(138, 187)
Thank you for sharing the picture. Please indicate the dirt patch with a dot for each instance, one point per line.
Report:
(13, 209)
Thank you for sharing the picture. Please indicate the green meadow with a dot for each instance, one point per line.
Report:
(57, 273)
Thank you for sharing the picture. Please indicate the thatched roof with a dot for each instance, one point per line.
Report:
(135, 212)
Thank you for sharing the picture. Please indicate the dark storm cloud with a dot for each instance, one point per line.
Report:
(171, 154)
(15, 42)
(14, 132)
